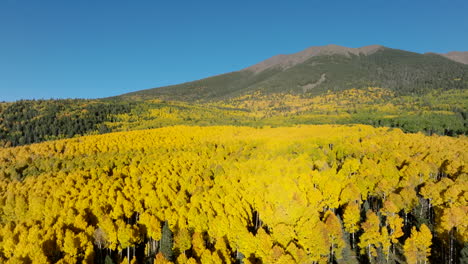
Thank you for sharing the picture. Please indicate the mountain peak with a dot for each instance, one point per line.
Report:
(313, 72)
(458, 56)
(287, 61)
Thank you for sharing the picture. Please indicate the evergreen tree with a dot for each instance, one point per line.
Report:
(166, 241)
(108, 260)
(464, 255)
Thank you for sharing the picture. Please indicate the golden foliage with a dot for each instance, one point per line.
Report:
(271, 193)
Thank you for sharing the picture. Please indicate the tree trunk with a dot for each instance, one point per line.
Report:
(451, 247)
(422, 208)
(388, 253)
(128, 254)
(368, 253)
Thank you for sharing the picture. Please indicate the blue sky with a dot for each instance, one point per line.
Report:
(99, 48)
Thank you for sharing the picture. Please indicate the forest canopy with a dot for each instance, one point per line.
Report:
(441, 112)
(225, 194)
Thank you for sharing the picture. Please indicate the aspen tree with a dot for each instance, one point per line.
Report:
(369, 240)
(351, 219)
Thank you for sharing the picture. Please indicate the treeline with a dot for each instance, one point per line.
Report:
(30, 121)
(308, 194)
(438, 112)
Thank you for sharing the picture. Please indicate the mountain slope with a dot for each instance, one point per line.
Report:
(320, 69)
(208, 88)
(457, 56)
(321, 85)
(288, 61)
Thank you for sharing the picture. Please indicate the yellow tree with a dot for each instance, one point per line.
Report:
(314, 238)
(351, 219)
(417, 246)
(264, 245)
(350, 194)
(153, 229)
(385, 242)
(298, 254)
(71, 244)
(370, 239)
(160, 259)
(110, 230)
(198, 243)
(183, 240)
(222, 249)
(128, 236)
(424, 241)
(454, 221)
(409, 199)
(335, 235)
(182, 259)
(395, 223)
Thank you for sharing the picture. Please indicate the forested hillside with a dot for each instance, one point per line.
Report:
(29, 121)
(320, 69)
(305, 194)
(321, 85)
(443, 112)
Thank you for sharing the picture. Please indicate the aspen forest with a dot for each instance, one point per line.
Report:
(233, 132)
(315, 155)
(237, 194)
(440, 112)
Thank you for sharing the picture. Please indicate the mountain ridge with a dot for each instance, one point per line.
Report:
(332, 84)
(458, 56)
(288, 60)
(319, 69)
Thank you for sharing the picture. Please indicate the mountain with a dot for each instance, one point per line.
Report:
(282, 172)
(457, 56)
(371, 85)
(317, 70)
(288, 61)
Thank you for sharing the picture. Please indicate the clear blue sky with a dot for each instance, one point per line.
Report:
(99, 48)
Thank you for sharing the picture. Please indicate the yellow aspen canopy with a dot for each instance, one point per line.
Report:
(225, 194)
